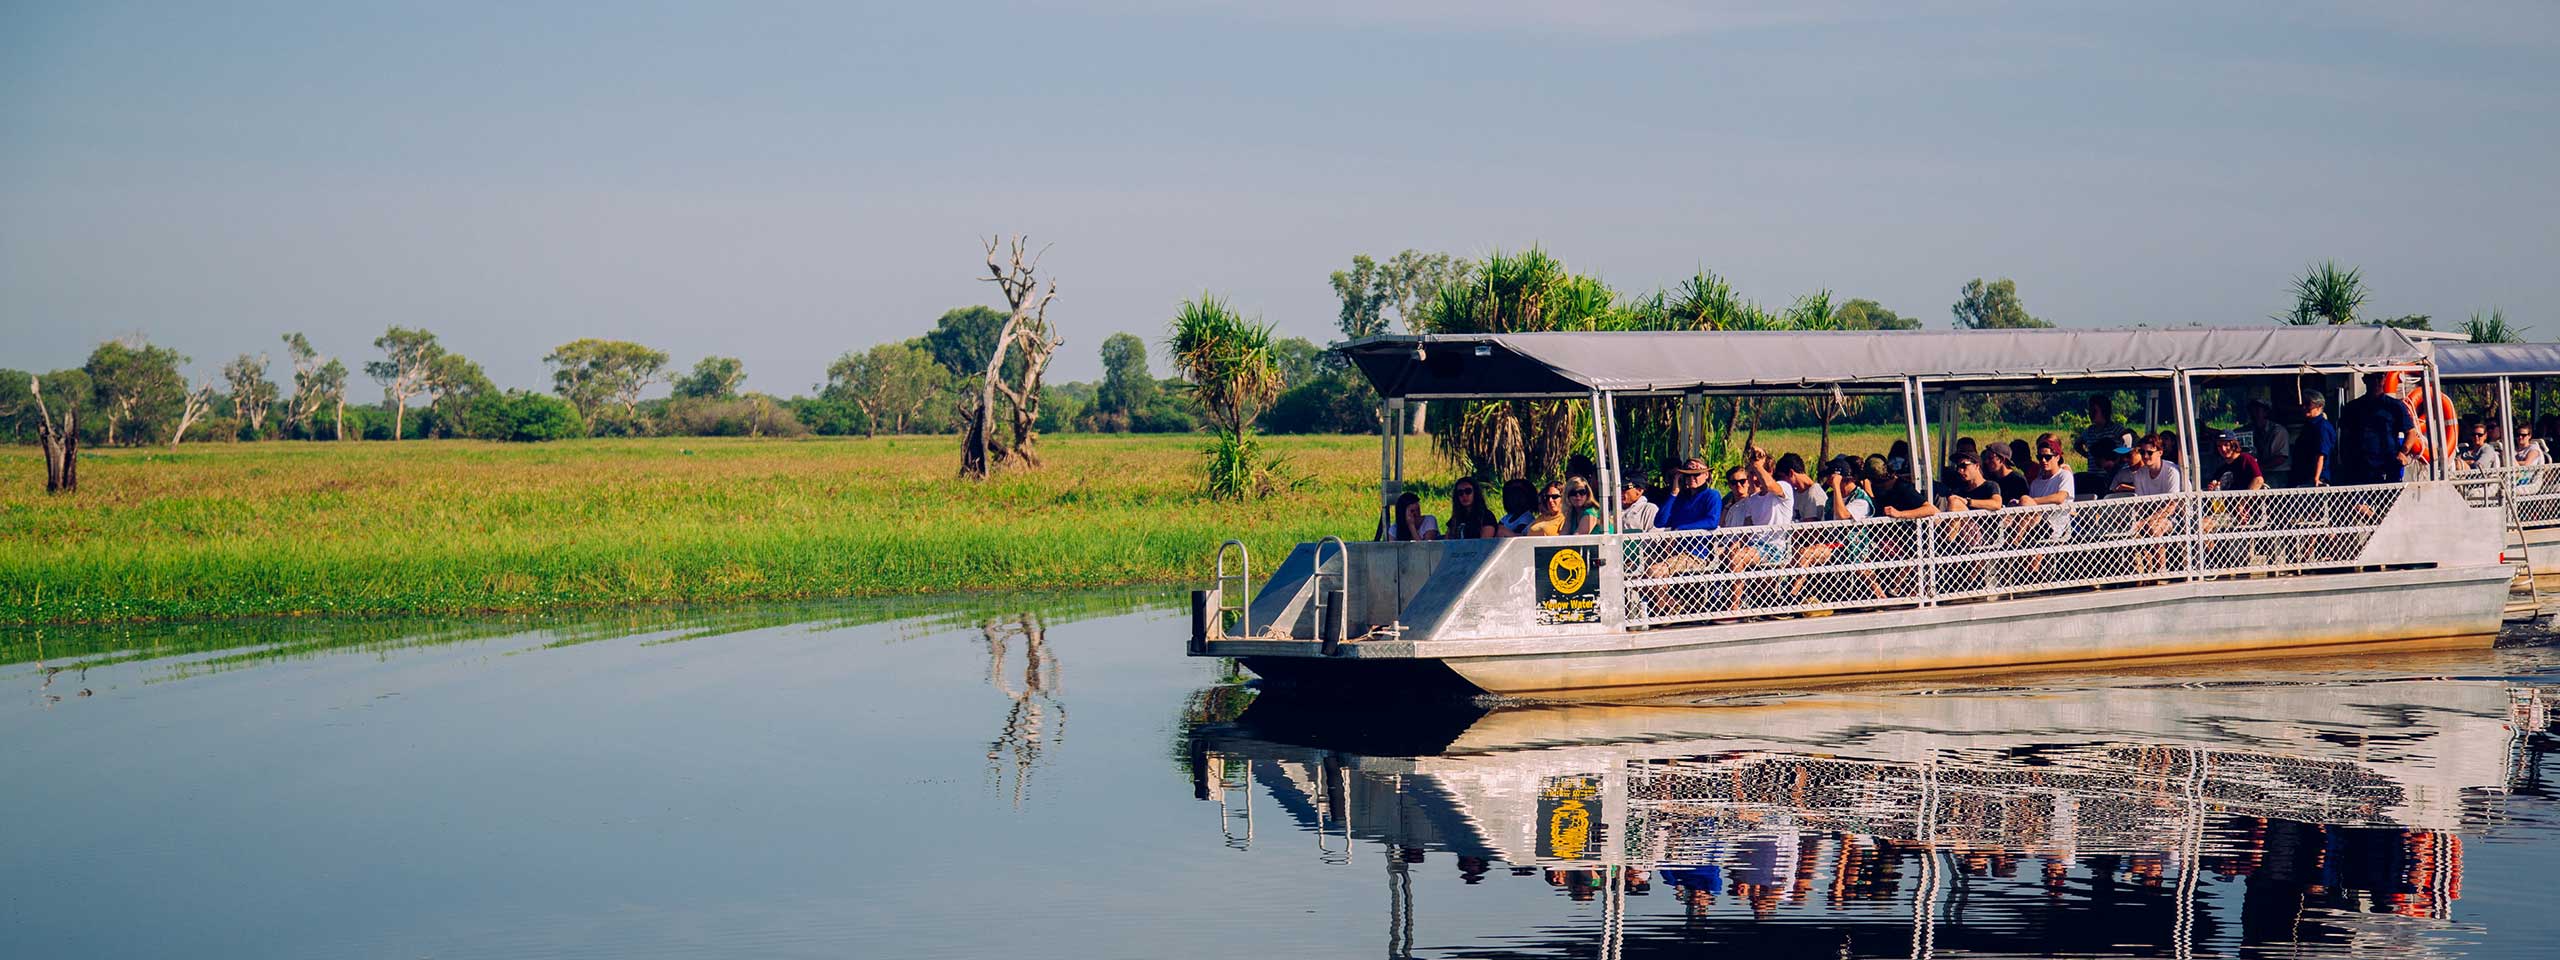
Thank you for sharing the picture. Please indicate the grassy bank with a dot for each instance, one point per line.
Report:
(369, 529)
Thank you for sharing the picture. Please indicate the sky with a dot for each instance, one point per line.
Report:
(785, 182)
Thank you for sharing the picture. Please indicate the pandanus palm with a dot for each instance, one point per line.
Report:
(2326, 294)
(1229, 363)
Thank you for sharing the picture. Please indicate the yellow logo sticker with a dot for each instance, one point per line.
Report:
(1567, 570)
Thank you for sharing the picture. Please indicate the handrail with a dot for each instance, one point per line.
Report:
(1244, 586)
(1835, 565)
(1340, 613)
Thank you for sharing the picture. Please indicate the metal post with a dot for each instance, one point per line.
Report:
(2507, 420)
(2440, 444)
(1388, 408)
(1918, 401)
(2151, 411)
(2183, 413)
(1686, 443)
(1600, 458)
(1951, 410)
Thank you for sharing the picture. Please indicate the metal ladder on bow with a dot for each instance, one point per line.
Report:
(2527, 603)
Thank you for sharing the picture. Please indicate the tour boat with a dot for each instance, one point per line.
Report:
(2532, 493)
(2195, 574)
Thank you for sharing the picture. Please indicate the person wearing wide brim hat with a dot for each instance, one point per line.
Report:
(1694, 506)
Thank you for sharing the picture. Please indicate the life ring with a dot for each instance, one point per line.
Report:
(2440, 414)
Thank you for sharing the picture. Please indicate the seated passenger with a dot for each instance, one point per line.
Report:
(1581, 509)
(1468, 517)
(1897, 496)
(1635, 513)
(2149, 472)
(2529, 451)
(2476, 452)
(1812, 502)
(1551, 520)
(1694, 507)
(1411, 523)
(1971, 490)
(2013, 483)
(2053, 483)
(1519, 506)
(1765, 501)
(2240, 471)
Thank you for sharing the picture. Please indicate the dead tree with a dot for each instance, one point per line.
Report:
(198, 404)
(1027, 325)
(61, 442)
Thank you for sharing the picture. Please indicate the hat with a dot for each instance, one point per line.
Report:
(1997, 451)
(1635, 483)
(1692, 467)
(2211, 435)
(2053, 445)
(2124, 443)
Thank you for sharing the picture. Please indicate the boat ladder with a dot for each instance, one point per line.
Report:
(1243, 605)
(2525, 603)
(1332, 615)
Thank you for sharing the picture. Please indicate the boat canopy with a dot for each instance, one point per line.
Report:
(1574, 364)
(2489, 361)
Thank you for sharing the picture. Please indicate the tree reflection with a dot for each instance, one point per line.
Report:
(1033, 690)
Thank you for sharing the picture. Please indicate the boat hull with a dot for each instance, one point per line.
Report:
(2194, 620)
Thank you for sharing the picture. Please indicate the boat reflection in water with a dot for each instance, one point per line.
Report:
(2135, 816)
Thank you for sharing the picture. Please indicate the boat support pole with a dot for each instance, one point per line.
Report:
(2440, 446)
(1915, 421)
(2506, 421)
(2182, 399)
(1601, 456)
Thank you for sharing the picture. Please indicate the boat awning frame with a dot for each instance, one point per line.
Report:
(1765, 363)
(2489, 361)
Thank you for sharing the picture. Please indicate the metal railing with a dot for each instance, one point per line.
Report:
(1843, 565)
(2535, 491)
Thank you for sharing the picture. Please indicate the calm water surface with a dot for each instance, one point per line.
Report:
(1047, 776)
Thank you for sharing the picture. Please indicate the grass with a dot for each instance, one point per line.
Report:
(449, 527)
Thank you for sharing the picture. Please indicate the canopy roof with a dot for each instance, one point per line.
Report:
(1574, 364)
(2473, 361)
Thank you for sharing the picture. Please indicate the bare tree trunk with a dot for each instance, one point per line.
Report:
(197, 405)
(399, 417)
(339, 431)
(61, 443)
(1017, 276)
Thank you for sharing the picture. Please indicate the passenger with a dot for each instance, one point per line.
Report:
(2020, 454)
(2013, 483)
(2240, 471)
(2476, 452)
(1519, 506)
(1733, 493)
(2053, 485)
(2529, 451)
(1551, 519)
(1468, 518)
(1694, 507)
(2373, 436)
(1766, 501)
(2149, 472)
(1581, 466)
(2149, 476)
(2270, 442)
(1848, 500)
(2100, 437)
(1971, 490)
(1411, 523)
(2315, 448)
(1635, 513)
(1897, 458)
(1900, 498)
(1812, 502)
(2169, 448)
(1581, 508)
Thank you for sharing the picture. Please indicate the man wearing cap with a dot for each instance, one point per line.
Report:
(1635, 513)
(2315, 445)
(2240, 471)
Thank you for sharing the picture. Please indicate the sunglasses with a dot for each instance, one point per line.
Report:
(1551, 496)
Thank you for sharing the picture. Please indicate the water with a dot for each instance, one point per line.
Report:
(1027, 777)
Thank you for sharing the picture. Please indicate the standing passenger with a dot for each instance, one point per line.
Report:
(2373, 435)
(2273, 443)
(2315, 448)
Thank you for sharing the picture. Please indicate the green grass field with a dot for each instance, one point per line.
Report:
(372, 529)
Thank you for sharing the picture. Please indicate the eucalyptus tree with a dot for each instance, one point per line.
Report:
(713, 378)
(1232, 371)
(890, 383)
(1993, 306)
(406, 370)
(196, 405)
(252, 394)
(592, 373)
(137, 385)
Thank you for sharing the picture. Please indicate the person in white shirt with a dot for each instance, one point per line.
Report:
(2476, 452)
(1766, 501)
(2529, 451)
(1635, 513)
(2150, 475)
(1812, 503)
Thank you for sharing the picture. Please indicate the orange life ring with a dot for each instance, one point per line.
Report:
(2419, 411)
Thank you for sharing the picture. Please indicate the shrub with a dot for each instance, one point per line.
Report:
(523, 417)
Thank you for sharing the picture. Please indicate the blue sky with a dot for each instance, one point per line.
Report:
(784, 182)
